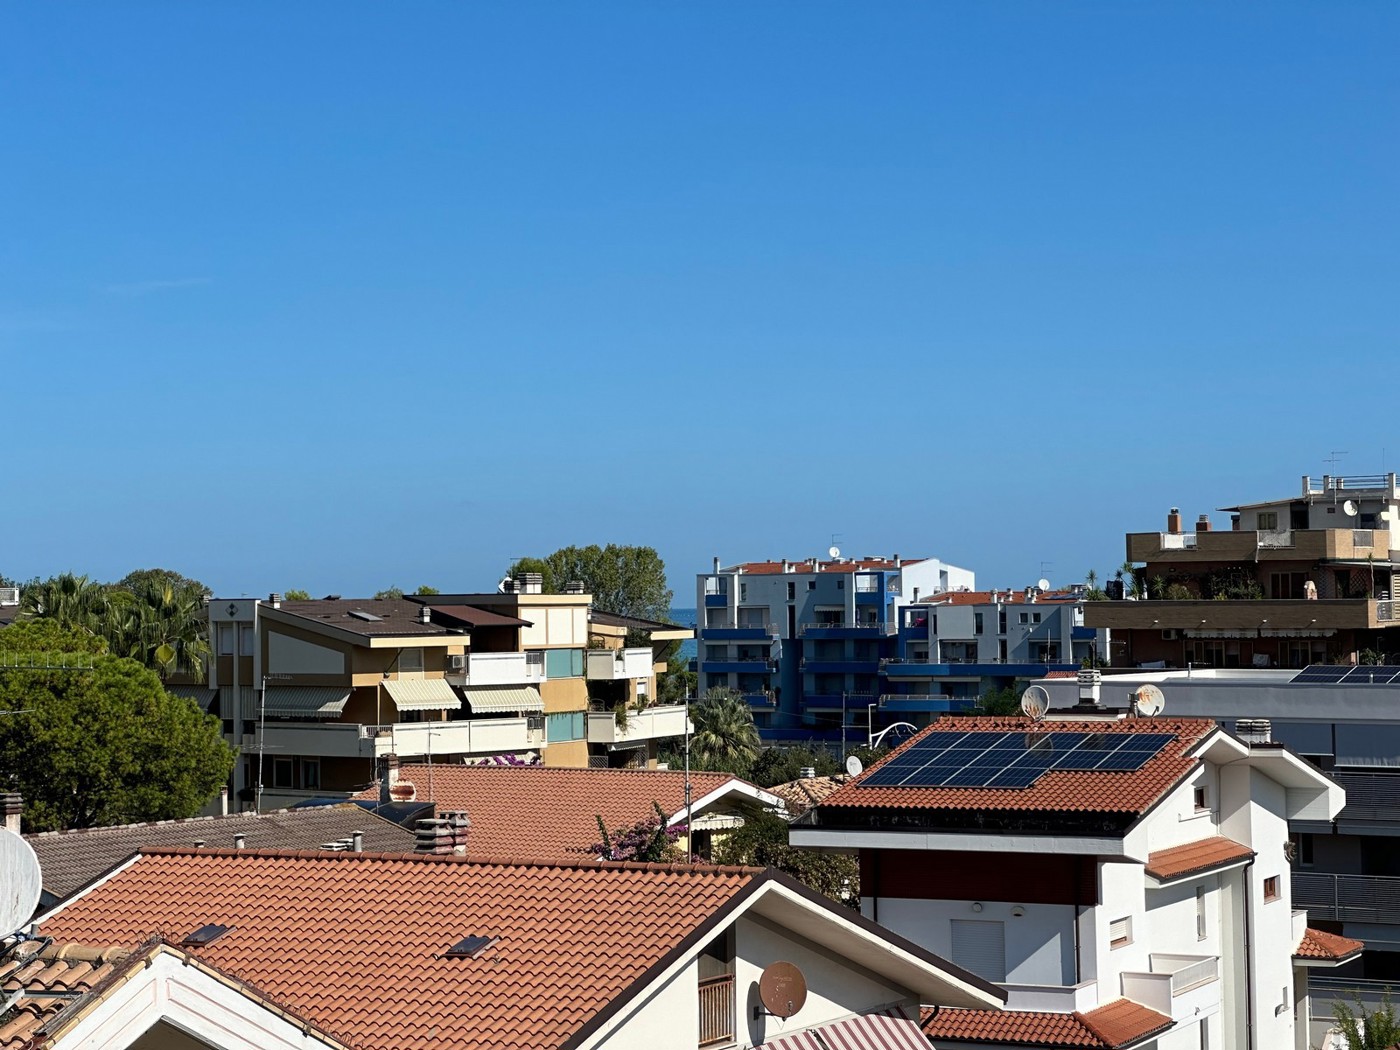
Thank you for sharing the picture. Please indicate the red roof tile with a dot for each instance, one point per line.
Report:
(1194, 857)
(801, 795)
(355, 942)
(1116, 1024)
(1056, 791)
(1319, 944)
(48, 974)
(545, 813)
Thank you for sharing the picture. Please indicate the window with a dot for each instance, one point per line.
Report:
(1200, 913)
(249, 727)
(811, 585)
(228, 727)
(245, 639)
(1271, 888)
(1303, 850)
(792, 590)
(978, 626)
(1199, 796)
(226, 636)
(311, 774)
(563, 663)
(840, 585)
(282, 772)
(1001, 620)
(1120, 932)
(564, 727)
(1205, 1033)
(743, 592)
(410, 660)
(980, 947)
(1025, 617)
(1268, 521)
(1035, 617)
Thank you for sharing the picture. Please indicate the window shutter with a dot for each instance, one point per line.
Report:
(980, 947)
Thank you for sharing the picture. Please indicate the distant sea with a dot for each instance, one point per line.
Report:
(686, 618)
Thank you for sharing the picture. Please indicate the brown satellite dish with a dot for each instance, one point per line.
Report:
(783, 989)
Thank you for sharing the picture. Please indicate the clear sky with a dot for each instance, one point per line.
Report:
(345, 295)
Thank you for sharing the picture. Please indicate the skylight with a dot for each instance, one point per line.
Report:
(469, 947)
(204, 935)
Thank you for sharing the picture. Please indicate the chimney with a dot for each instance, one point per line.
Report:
(807, 772)
(1254, 730)
(11, 809)
(786, 566)
(573, 587)
(897, 562)
(275, 600)
(1203, 523)
(388, 776)
(445, 835)
(239, 841)
(223, 801)
(357, 841)
(531, 583)
(425, 614)
(1174, 521)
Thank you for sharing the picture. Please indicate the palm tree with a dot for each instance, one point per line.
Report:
(73, 601)
(724, 737)
(163, 626)
(1130, 575)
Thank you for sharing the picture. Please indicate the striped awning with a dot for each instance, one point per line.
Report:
(504, 699)
(888, 1029)
(422, 694)
(202, 695)
(304, 701)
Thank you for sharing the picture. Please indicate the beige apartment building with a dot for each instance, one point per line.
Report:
(313, 693)
(1296, 581)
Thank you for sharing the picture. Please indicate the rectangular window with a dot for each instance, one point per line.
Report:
(980, 947)
(743, 592)
(563, 663)
(1268, 521)
(811, 585)
(1035, 617)
(977, 617)
(840, 585)
(1271, 888)
(561, 728)
(226, 637)
(311, 774)
(1303, 850)
(245, 639)
(1120, 932)
(1200, 913)
(1025, 617)
(1199, 798)
(410, 659)
(792, 590)
(282, 772)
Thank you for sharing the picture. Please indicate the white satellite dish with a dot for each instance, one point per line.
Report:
(1349, 508)
(20, 882)
(854, 766)
(1148, 701)
(1043, 584)
(1035, 702)
(833, 552)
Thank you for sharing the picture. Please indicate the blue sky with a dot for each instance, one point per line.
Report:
(341, 295)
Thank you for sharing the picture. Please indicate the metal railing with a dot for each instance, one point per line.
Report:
(1348, 898)
(1275, 538)
(846, 625)
(717, 1010)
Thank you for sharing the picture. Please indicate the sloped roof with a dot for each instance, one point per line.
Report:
(1319, 944)
(72, 859)
(1121, 1023)
(48, 975)
(801, 795)
(1119, 792)
(1195, 857)
(392, 616)
(547, 813)
(355, 942)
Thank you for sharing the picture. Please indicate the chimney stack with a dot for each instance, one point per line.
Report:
(425, 614)
(447, 834)
(1174, 521)
(275, 600)
(357, 841)
(388, 776)
(1203, 523)
(716, 568)
(1234, 523)
(11, 809)
(239, 841)
(574, 587)
(223, 801)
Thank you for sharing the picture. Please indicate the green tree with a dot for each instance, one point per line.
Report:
(103, 745)
(678, 682)
(424, 590)
(389, 592)
(629, 581)
(1092, 591)
(1005, 701)
(762, 841)
(160, 625)
(725, 738)
(778, 765)
(1364, 1029)
(297, 595)
(69, 600)
(141, 578)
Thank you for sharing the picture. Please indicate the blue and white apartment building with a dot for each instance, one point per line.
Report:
(878, 639)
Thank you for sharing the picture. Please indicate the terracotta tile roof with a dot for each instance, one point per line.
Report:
(72, 859)
(1194, 857)
(545, 813)
(1056, 791)
(761, 568)
(1120, 1023)
(801, 795)
(355, 942)
(1319, 944)
(48, 974)
(1061, 674)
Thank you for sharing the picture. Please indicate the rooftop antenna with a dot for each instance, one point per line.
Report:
(1045, 568)
(1331, 462)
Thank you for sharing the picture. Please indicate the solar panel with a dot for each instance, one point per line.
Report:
(1371, 674)
(1320, 674)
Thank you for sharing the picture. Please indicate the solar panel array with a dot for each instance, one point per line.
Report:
(1012, 759)
(1345, 674)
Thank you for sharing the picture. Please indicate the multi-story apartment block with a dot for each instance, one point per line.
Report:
(1307, 579)
(1115, 875)
(803, 640)
(315, 692)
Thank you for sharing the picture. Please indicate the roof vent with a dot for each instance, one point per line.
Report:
(275, 600)
(425, 614)
(1254, 730)
(807, 772)
(470, 947)
(531, 582)
(204, 935)
(239, 841)
(574, 587)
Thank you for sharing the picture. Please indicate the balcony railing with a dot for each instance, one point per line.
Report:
(1370, 796)
(664, 720)
(479, 669)
(847, 625)
(1187, 971)
(615, 664)
(1348, 898)
(717, 1010)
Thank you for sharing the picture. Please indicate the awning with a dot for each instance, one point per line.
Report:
(503, 699)
(889, 1030)
(304, 701)
(202, 695)
(422, 694)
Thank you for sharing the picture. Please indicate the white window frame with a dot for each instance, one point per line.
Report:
(1120, 933)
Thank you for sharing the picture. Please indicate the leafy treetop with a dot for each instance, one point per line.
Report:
(628, 581)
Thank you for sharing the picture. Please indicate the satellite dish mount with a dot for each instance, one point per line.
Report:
(854, 766)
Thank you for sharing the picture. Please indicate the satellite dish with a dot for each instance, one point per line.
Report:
(833, 552)
(1043, 584)
(1349, 508)
(1035, 701)
(783, 989)
(20, 882)
(1148, 701)
(854, 766)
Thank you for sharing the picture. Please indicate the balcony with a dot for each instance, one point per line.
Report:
(840, 665)
(481, 736)
(1348, 898)
(1371, 798)
(922, 703)
(1252, 617)
(610, 665)
(748, 632)
(847, 629)
(761, 701)
(1053, 998)
(716, 1001)
(650, 724)
(922, 667)
(1264, 546)
(1180, 986)
(497, 669)
(746, 665)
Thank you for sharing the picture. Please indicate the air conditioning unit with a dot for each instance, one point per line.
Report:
(457, 662)
(1171, 634)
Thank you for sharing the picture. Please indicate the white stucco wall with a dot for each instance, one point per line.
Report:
(1039, 943)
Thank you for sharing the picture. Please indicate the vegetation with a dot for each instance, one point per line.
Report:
(648, 840)
(101, 744)
(1000, 701)
(297, 595)
(1364, 1029)
(628, 581)
(678, 682)
(763, 842)
(725, 738)
(778, 765)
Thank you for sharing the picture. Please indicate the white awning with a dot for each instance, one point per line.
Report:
(504, 699)
(303, 701)
(422, 694)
